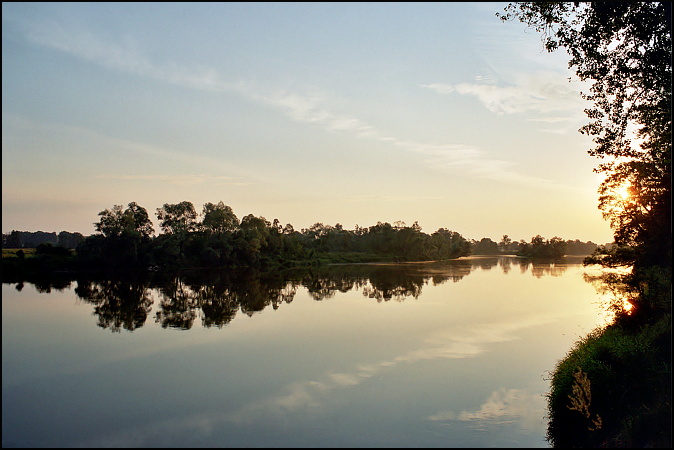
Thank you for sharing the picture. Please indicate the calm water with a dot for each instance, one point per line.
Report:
(452, 354)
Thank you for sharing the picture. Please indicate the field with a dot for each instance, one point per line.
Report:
(9, 252)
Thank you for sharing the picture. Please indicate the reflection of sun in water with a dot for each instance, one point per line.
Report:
(609, 301)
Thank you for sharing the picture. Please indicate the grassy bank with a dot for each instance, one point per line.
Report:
(613, 388)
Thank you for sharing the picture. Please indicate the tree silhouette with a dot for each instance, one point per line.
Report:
(625, 49)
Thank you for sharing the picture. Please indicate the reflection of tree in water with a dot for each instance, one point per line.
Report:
(218, 305)
(178, 304)
(505, 264)
(487, 263)
(119, 304)
(46, 286)
(324, 286)
(219, 296)
(256, 293)
(393, 284)
(382, 282)
(43, 283)
(619, 296)
(540, 269)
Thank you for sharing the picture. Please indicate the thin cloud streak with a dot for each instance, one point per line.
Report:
(389, 198)
(102, 141)
(126, 57)
(181, 180)
(446, 158)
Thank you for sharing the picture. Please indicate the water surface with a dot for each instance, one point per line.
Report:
(451, 354)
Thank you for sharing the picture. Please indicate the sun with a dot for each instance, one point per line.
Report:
(624, 192)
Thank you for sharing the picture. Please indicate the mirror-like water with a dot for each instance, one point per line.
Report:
(451, 354)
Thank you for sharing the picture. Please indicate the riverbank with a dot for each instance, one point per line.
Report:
(613, 388)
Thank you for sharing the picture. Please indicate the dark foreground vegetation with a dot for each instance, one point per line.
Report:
(613, 389)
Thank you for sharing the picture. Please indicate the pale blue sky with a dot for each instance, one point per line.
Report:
(346, 113)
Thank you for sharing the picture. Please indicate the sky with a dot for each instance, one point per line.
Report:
(349, 113)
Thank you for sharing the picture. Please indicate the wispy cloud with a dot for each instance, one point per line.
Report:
(541, 92)
(124, 56)
(534, 93)
(181, 180)
(26, 134)
(552, 119)
(389, 198)
(309, 109)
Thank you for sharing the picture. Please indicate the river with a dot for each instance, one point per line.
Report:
(445, 354)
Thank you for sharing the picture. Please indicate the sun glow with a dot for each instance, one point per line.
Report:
(624, 192)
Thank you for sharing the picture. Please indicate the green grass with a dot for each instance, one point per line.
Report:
(11, 252)
(613, 389)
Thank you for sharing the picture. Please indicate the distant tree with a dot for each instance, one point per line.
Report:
(219, 218)
(485, 247)
(69, 240)
(31, 239)
(504, 245)
(408, 241)
(112, 221)
(125, 237)
(12, 240)
(540, 247)
(558, 246)
(251, 239)
(116, 222)
(177, 218)
(576, 247)
(445, 244)
(380, 237)
(141, 220)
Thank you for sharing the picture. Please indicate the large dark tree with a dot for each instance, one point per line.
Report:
(625, 50)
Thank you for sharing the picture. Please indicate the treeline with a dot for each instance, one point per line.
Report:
(125, 239)
(538, 247)
(216, 237)
(31, 239)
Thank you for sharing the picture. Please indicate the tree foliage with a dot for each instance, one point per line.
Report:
(218, 218)
(177, 218)
(624, 49)
(117, 222)
(539, 247)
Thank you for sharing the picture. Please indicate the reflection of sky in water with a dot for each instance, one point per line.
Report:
(463, 364)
